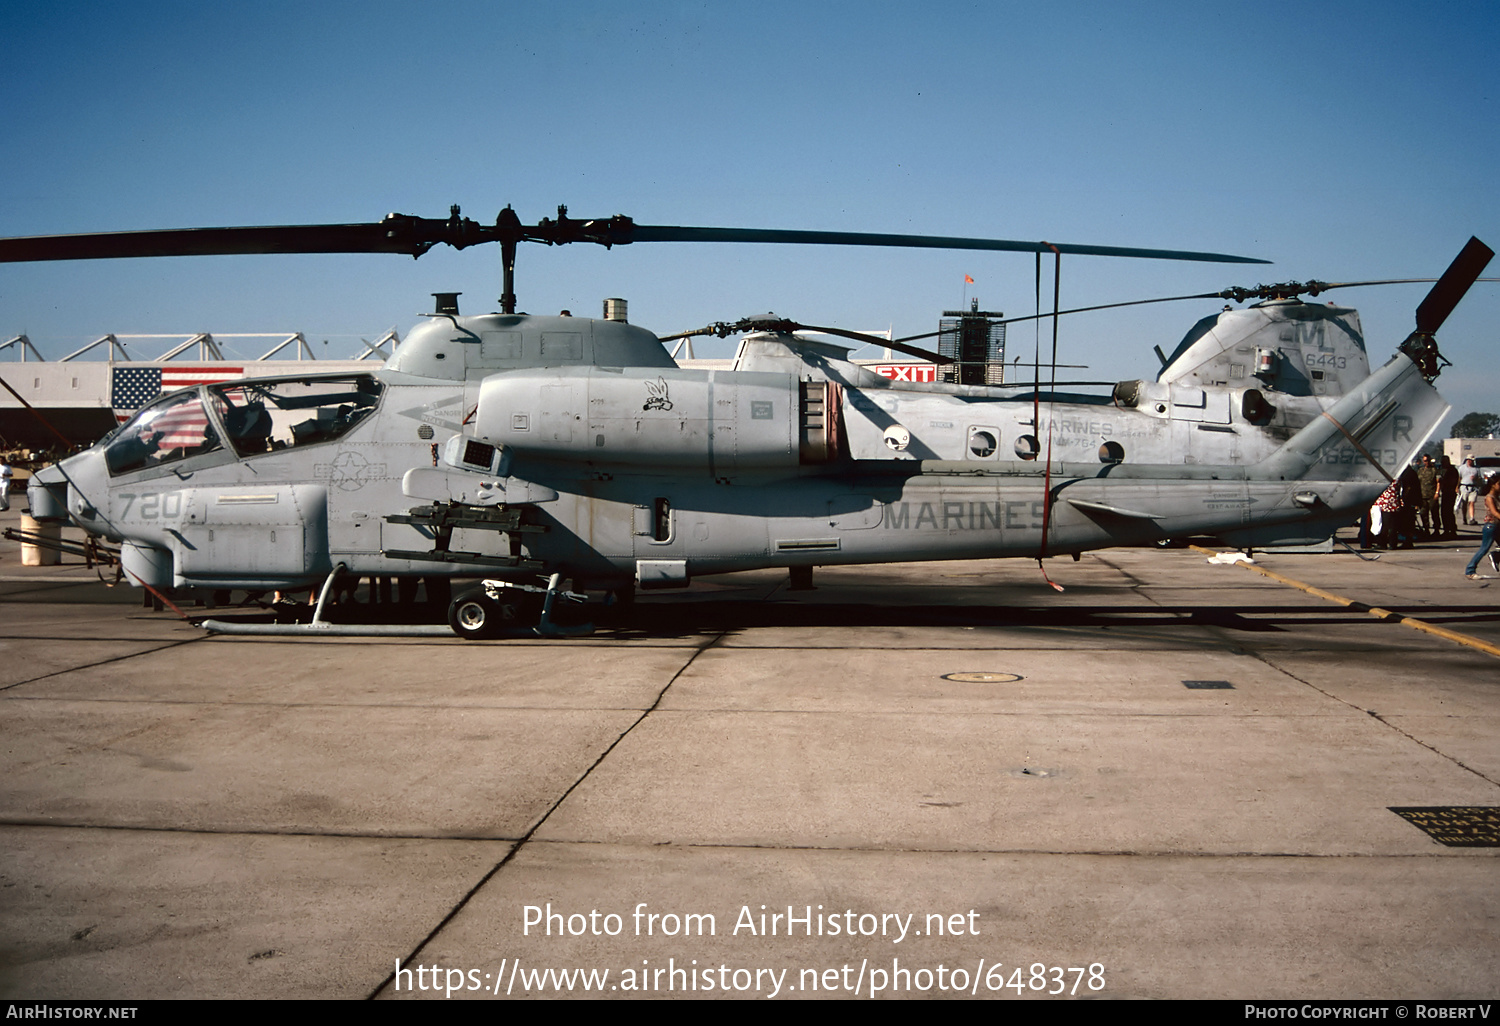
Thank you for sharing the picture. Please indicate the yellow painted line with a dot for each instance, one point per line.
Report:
(1375, 611)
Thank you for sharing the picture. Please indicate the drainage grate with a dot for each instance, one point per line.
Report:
(1208, 685)
(1457, 826)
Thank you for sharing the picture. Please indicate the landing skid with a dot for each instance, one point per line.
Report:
(490, 609)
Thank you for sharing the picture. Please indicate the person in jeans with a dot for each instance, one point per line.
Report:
(1487, 536)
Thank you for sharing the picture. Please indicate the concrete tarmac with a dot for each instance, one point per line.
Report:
(919, 780)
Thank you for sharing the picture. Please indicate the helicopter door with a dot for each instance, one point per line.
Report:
(652, 525)
(1202, 405)
(169, 431)
(664, 536)
(560, 412)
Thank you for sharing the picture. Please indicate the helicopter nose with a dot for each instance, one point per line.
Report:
(85, 480)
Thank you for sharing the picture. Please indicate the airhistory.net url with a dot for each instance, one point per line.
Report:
(863, 980)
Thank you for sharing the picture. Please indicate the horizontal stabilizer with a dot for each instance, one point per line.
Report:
(1099, 508)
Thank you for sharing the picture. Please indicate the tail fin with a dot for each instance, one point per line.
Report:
(1368, 435)
(1380, 424)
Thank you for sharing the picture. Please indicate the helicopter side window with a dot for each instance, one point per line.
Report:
(173, 429)
(268, 416)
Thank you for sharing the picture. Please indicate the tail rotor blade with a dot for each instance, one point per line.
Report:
(1450, 288)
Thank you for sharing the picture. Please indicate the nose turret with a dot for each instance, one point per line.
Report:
(47, 493)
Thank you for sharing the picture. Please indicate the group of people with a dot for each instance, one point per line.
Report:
(1423, 504)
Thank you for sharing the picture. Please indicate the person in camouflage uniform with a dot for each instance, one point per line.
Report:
(1427, 477)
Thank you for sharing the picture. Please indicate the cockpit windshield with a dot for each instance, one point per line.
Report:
(258, 417)
(267, 416)
(173, 429)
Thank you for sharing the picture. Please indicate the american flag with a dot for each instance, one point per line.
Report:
(183, 425)
(182, 377)
(134, 387)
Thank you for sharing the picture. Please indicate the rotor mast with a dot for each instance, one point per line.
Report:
(508, 227)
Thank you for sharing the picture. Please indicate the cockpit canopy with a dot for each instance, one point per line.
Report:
(168, 430)
(251, 417)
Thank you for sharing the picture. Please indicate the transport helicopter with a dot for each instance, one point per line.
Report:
(525, 451)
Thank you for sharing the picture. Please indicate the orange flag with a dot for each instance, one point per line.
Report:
(968, 280)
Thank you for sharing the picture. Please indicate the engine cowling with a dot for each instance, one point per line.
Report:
(724, 421)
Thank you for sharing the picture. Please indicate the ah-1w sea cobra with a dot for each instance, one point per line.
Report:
(518, 449)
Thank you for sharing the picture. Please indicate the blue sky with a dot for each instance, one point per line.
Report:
(1340, 140)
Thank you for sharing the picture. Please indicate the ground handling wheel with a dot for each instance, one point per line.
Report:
(474, 615)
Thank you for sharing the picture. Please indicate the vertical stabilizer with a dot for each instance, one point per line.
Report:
(1368, 435)
(1375, 430)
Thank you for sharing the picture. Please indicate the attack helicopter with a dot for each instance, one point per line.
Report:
(524, 451)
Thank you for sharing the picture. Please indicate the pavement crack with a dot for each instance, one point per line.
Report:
(234, 831)
(104, 662)
(510, 855)
(1375, 716)
(1136, 584)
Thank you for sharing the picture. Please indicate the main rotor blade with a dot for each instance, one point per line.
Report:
(311, 238)
(1238, 294)
(403, 233)
(770, 322)
(1450, 288)
(879, 340)
(674, 233)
